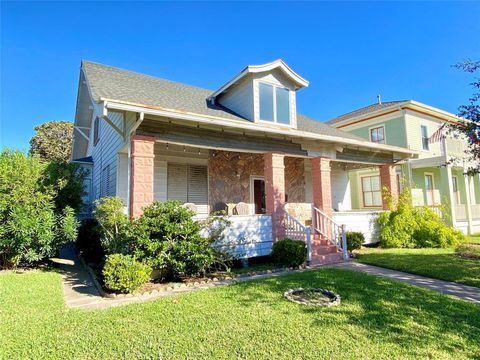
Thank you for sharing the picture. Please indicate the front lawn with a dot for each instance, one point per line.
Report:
(378, 319)
(436, 263)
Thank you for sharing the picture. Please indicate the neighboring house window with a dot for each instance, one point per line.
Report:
(372, 194)
(274, 103)
(456, 193)
(187, 183)
(96, 131)
(429, 191)
(378, 135)
(105, 182)
(424, 137)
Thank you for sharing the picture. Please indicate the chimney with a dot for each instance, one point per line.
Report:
(379, 99)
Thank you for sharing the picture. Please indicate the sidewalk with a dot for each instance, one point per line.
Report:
(465, 292)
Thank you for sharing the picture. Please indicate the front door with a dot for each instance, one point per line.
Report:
(259, 196)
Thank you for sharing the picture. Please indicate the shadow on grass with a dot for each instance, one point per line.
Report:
(386, 310)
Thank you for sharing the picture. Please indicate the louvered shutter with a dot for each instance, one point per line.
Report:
(197, 185)
(177, 182)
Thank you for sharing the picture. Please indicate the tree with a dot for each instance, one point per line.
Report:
(53, 141)
(471, 112)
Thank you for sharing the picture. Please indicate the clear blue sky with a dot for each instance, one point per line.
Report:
(350, 52)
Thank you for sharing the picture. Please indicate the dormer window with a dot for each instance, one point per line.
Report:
(274, 103)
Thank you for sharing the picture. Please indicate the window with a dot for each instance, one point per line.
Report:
(424, 137)
(274, 103)
(429, 189)
(456, 193)
(378, 135)
(372, 194)
(96, 134)
(187, 183)
(105, 182)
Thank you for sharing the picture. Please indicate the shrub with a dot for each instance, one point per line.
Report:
(289, 252)
(30, 229)
(115, 227)
(469, 251)
(124, 274)
(88, 241)
(355, 240)
(409, 227)
(167, 237)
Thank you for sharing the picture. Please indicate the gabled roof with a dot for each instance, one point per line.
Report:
(253, 69)
(367, 110)
(107, 82)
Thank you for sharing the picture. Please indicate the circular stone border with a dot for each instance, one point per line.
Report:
(334, 298)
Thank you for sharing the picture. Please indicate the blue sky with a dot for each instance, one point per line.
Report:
(350, 52)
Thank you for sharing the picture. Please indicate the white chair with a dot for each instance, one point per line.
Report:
(242, 209)
(191, 206)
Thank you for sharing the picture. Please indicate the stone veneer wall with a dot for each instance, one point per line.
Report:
(229, 180)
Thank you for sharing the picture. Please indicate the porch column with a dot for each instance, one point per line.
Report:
(141, 173)
(274, 173)
(446, 176)
(388, 179)
(468, 204)
(321, 184)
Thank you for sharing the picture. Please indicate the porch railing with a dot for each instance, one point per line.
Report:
(461, 211)
(294, 229)
(326, 227)
(476, 211)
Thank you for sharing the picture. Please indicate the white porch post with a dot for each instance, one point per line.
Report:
(468, 204)
(446, 173)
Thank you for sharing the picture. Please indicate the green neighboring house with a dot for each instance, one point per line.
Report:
(434, 179)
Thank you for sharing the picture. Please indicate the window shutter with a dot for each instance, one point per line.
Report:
(177, 175)
(197, 184)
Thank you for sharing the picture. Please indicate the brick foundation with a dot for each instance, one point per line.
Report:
(141, 174)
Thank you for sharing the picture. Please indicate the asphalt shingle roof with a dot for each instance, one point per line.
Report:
(123, 85)
(366, 110)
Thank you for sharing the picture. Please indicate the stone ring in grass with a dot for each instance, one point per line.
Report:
(313, 297)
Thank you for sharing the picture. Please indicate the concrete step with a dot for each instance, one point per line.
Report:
(318, 242)
(326, 259)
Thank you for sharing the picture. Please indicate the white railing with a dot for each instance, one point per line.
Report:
(476, 211)
(461, 211)
(294, 229)
(326, 227)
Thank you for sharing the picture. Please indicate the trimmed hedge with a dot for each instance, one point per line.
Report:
(289, 252)
(124, 274)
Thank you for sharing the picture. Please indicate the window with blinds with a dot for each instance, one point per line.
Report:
(105, 181)
(187, 183)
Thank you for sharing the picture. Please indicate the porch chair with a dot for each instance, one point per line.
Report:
(241, 209)
(192, 207)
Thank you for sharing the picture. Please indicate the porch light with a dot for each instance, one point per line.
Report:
(167, 146)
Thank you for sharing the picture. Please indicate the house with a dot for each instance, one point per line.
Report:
(242, 148)
(437, 177)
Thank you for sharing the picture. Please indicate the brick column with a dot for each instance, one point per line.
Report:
(141, 173)
(388, 179)
(321, 185)
(275, 192)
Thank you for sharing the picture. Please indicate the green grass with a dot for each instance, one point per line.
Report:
(378, 319)
(436, 263)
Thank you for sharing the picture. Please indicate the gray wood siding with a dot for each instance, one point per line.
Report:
(239, 99)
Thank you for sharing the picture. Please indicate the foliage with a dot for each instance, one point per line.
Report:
(67, 180)
(471, 111)
(88, 241)
(355, 240)
(123, 273)
(469, 251)
(30, 229)
(431, 262)
(115, 227)
(167, 237)
(407, 227)
(53, 141)
(289, 252)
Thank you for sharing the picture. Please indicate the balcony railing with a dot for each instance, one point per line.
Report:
(455, 147)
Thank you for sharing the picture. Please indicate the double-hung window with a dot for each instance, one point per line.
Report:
(274, 103)
(372, 194)
(424, 131)
(377, 135)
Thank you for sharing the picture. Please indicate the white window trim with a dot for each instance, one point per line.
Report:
(362, 192)
(421, 138)
(274, 122)
(252, 195)
(433, 188)
(384, 133)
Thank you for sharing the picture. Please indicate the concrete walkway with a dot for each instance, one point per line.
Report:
(80, 291)
(465, 292)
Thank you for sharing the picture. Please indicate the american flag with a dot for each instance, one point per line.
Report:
(437, 135)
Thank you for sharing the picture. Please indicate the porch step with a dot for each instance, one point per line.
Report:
(320, 242)
(323, 250)
(326, 259)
